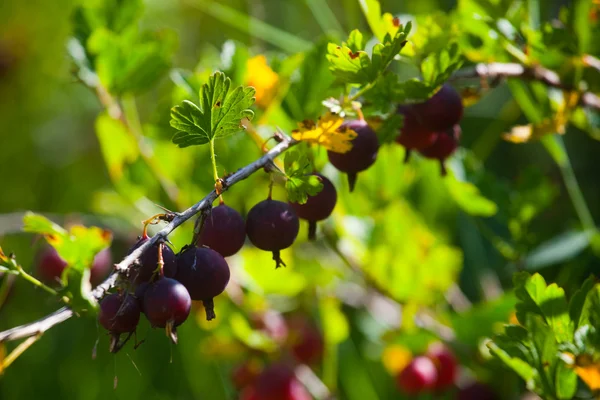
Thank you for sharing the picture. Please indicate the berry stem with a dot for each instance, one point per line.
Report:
(352, 180)
(278, 261)
(312, 230)
(209, 308)
(270, 196)
(161, 261)
(213, 159)
(443, 168)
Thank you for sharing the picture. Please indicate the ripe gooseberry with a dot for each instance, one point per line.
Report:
(119, 313)
(446, 365)
(50, 266)
(318, 207)
(278, 382)
(441, 111)
(167, 301)
(246, 374)
(415, 134)
(306, 340)
(418, 376)
(476, 391)
(148, 261)
(205, 275)
(224, 231)
(363, 153)
(445, 144)
(272, 225)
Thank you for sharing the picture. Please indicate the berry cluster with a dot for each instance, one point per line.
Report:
(304, 343)
(432, 127)
(437, 371)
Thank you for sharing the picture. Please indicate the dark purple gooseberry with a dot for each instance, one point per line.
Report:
(119, 314)
(224, 231)
(140, 291)
(148, 262)
(362, 155)
(415, 134)
(317, 207)
(476, 391)
(204, 273)
(443, 110)
(167, 301)
(51, 266)
(272, 225)
(445, 144)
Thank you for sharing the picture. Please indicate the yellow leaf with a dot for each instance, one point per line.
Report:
(327, 132)
(391, 23)
(260, 76)
(588, 371)
(395, 358)
(526, 133)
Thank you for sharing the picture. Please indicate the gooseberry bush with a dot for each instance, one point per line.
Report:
(336, 219)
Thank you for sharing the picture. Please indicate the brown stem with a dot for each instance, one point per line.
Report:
(514, 70)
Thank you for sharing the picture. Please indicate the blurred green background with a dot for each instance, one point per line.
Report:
(399, 226)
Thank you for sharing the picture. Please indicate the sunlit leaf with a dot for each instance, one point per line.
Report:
(219, 115)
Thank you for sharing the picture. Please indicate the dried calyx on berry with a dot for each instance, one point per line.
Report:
(167, 304)
(363, 153)
(148, 263)
(272, 225)
(119, 313)
(318, 207)
(204, 273)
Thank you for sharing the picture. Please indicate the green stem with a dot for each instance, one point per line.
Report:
(361, 91)
(555, 146)
(36, 282)
(213, 159)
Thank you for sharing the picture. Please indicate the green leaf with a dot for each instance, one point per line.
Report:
(469, 199)
(390, 128)
(39, 224)
(349, 65)
(543, 351)
(313, 84)
(335, 325)
(578, 301)
(131, 61)
(118, 146)
(438, 67)
(356, 41)
(521, 367)
(372, 11)
(546, 301)
(481, 320)
(78, 246)
(566, 381)
(590, 313)
(300, 184)
(559, 249)
(254, 339)
(219, 115)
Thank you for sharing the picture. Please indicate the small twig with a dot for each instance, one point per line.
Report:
(515, 70)
(20, 349)
(61, 315)
(38, 327)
